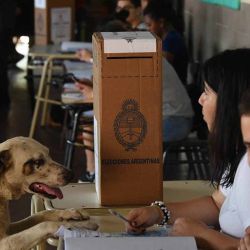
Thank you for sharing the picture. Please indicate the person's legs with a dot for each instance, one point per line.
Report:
(7, 22)
(88, 141)
(4, 80)
(176, 128)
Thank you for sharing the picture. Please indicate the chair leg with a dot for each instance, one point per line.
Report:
(204, 156)
(70, 143)
(190, 159)
(38, 101)
(198, 162)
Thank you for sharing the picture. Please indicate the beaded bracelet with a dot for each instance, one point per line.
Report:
(164, 209)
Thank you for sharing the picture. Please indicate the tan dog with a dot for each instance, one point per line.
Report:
(25, 166)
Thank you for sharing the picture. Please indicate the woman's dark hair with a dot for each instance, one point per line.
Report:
(228, 75)
(136, 3)
(244, 107)
(158, 9)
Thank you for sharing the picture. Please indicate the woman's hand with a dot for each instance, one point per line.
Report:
(84, 55)
(141, 218)
(85, 88)
(188, 227)
(245, 241)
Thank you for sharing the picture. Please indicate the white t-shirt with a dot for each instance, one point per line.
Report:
(176, 101)
(234, 215)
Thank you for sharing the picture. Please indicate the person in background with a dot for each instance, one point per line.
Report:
(177, 109)
(159, 19)
(144, 4)
(226, 78)
(245, 127)
(176, 106)
(128, 17)
(87, 134)
(7, 23)
(135, 17)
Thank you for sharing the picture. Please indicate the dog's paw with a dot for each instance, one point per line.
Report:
(81, 224)
(84, 213)
(73, 214)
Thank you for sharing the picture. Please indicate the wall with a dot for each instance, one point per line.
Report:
(211, 28)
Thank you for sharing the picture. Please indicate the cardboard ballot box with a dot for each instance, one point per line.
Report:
(127, 117)
(54, 21)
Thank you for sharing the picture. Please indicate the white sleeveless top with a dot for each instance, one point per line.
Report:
(234, 215)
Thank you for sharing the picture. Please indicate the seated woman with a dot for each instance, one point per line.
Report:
(176, 107)
(88, 139)
(227, 208)
(160, 19)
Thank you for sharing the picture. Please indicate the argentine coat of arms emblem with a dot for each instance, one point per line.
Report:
(130, 125)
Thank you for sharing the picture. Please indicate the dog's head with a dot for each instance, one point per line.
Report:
(25, 166)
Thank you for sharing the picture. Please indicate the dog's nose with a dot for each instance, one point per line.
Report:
(68, 175)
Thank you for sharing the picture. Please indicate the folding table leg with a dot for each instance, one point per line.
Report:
(46, 95)
(38, 100)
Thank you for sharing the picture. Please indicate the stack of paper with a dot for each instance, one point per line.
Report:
(125, 243)
(70, 87)
(71, 94)
(73, 46)
(152, 240)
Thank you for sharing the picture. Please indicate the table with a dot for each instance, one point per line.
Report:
(36, 56)
(44, 88)
(79, 195)
(48, 53)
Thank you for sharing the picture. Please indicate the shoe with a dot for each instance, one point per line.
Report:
(87, 177)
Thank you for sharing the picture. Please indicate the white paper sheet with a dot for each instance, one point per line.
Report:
(73, 46)
(151, 240)
(131, 243)
(72, 97)
(60, 24)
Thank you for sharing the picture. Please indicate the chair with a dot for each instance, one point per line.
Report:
(37, 205)
(190, 152)
(44, 90)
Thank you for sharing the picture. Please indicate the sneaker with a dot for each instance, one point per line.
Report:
(87, 177)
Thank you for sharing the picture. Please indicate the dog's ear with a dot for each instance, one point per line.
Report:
(5, 160)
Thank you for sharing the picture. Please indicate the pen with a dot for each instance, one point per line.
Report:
(118, 215)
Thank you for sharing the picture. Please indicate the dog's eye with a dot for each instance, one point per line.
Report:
(38, 162)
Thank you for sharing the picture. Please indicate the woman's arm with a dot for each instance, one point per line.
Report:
(245, 241)
(169, 56)
(205, 209)
(206, 237)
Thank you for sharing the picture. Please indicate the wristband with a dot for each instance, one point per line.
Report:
(164, 209)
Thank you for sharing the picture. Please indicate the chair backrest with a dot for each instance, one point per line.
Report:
(190, 154)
